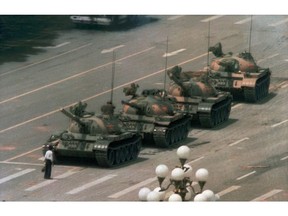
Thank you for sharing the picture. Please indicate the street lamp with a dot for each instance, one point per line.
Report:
(181, 181)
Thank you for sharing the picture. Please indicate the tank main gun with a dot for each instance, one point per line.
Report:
(133, 105)
(73, 117)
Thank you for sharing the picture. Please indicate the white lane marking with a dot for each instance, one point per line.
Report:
(267, 195)
(102, 93)
(276, 125)
(211, 18)
(13, 176)
(134, 187)
(173, 53)
(91, 184)
(45, 60)
(25, 153)
(22, 163)
(268, 57)
(243, 21)
(279, 23)
(200, 158)
(73, 76)
(284, 158)
(228, 190)
(112, 49)
(48, 182)
(53, 47)
(174, 17)
(244, 176)
(239, 141)
(284, 86)
(237, 105)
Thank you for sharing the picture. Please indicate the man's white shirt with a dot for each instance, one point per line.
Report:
(49, 155)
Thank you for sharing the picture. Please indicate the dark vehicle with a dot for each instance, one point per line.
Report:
(101, 137)
(104, 20)
(153, 115)
(239, 75)
(198, 98)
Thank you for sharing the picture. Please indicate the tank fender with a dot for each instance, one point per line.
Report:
(205, 107)
(249, 82)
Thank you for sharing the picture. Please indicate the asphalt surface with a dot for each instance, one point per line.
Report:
(247, 156)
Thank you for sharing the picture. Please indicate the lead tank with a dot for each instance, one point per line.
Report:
(101, 137)
(198, 98)
(239, 75)
(153, 115)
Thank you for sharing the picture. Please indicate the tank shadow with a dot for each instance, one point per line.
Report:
(91, 163)
(230, 121)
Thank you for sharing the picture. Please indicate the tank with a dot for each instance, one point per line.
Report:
(101, 137)
(198, 98)
(239, 75)
(152, 114)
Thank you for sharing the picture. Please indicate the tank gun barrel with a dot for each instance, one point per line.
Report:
(73, 117)
(139, 108)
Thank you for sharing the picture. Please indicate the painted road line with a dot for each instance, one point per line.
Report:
(267, 195)
(284, 158)
(198, 159)
(112, 49)
(173, 53)
(211, 18)
(74, 76)
(22, 163)
(132, 188)
(280, 123)
(269, 57)
(228, 190)
(25, 153)
(244, 176)
(16, 175)
(91, 184)
(279, 23)
(175, 17)
(53, 47)
(102, 93)
(239, 141)
(284, 86)
(45, 60)
(48, 182)
(243, 21)
(237, 105)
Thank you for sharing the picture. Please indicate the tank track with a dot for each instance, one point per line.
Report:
(260, 91)
(176, 132)
(119, 152)
(219, 113)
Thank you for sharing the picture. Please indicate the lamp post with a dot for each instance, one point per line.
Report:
(181, 181)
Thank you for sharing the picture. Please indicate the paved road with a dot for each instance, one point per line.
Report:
(247, 156)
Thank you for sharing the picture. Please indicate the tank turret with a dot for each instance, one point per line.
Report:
(153, 115)
(102, 137)
(198, 98)
(239, 75)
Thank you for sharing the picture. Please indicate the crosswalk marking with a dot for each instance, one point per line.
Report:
(48, 182)
(228, 190)
(15, 175)
(134, 187)
(267, 195)
(91, 184)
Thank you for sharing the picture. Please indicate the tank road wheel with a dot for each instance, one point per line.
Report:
(117, 157)
(111, 156)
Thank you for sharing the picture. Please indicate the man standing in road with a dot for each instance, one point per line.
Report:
(48, 162)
